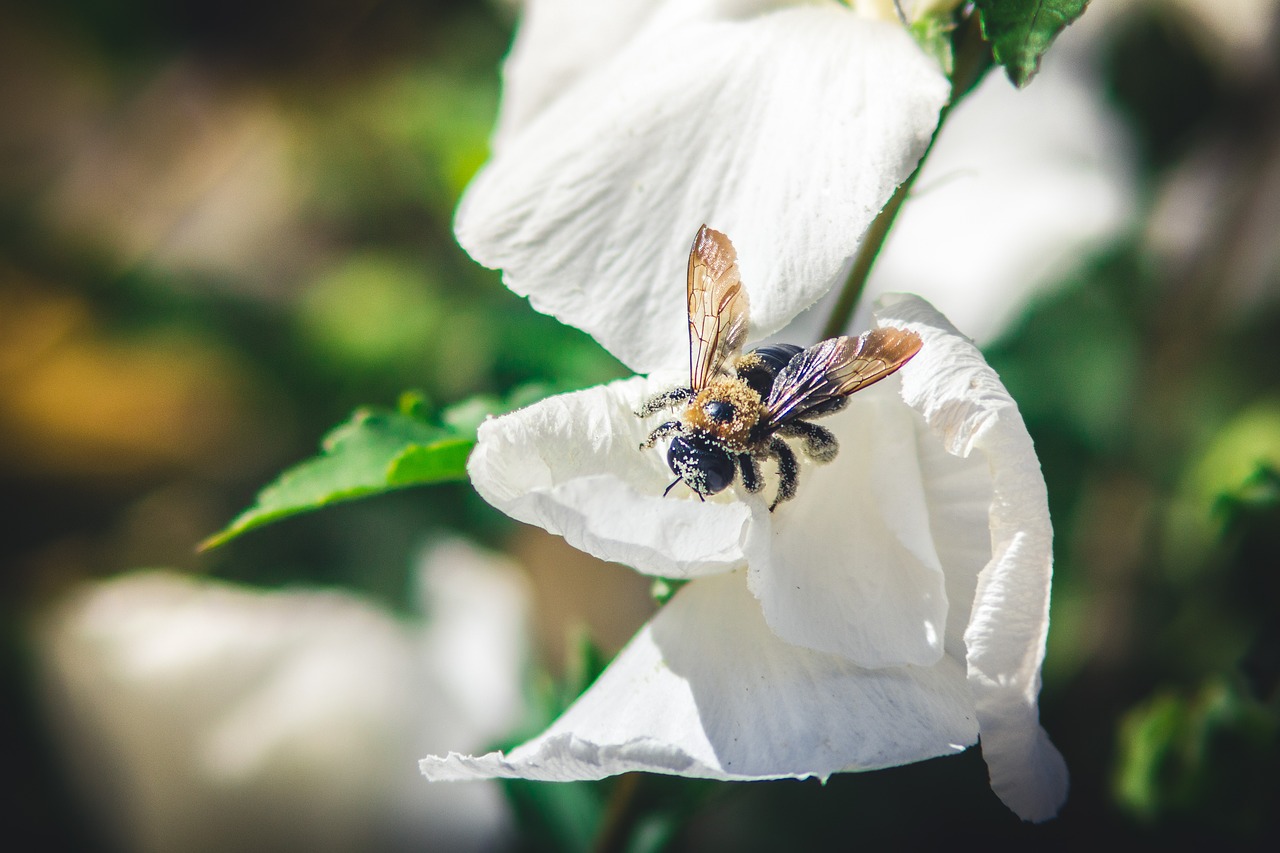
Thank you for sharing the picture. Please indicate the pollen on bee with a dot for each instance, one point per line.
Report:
(727, 410)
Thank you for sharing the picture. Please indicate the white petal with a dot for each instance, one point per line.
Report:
(559, 40)
(850, 566)
(788, 131)
(707, 690)
(971, 412)
(572, 465)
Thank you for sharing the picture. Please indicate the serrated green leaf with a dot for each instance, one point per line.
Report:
(374, 452)
(1020, 31)
(379, 450)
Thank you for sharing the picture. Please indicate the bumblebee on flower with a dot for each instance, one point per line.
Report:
(740, 407)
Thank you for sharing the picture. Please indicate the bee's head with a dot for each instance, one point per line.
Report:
(703, 465)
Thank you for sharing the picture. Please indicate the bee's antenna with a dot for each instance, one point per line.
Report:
(672, 486)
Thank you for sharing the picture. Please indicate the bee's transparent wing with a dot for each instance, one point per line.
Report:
(836, 368)
(717, 307)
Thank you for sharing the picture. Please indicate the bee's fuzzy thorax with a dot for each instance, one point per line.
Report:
(747, 409)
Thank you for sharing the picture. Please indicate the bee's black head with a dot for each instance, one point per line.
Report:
(703, 465)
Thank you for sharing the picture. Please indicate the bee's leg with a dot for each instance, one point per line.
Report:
(830, 407)
(665, 400)
(788, 471)
(669, 428)
(819, 443)
(750, 473)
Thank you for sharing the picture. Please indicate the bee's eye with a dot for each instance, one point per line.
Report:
(719, 411)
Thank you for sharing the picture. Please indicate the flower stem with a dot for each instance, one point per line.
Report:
(872, 242)
(621, 815)
(972, 60)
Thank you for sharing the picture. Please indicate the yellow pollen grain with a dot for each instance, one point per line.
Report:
(747, 407)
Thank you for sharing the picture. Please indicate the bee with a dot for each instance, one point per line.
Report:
(739, 409)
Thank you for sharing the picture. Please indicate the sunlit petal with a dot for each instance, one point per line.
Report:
(850, 566)
(557, 42)
(707, 690)
(971, 412)
(788, 130)
(571, 464)
(922, 549)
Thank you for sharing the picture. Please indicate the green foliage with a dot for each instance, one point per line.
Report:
(564, 816)
(556, 817)
(1223, 483)
(1071, 360)
(1020, 31)
(375, 451)
(1207, 759)
(380, 450)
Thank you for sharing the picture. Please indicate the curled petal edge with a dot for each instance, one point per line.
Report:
(965, 403)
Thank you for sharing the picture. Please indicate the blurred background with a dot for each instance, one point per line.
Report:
(226, 225)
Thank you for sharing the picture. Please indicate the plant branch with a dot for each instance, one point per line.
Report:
(972, 60)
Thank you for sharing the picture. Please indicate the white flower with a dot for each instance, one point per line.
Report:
(786, 123)
(202, 715)
(895, 610)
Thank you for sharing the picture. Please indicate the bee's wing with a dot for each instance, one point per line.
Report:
(836, 368)
(717, 307)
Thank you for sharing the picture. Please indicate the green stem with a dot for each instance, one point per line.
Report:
(621, 815)
(972, 59)
(872, 242)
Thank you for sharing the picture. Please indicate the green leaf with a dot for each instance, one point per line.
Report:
(1218, 490)
(1203, 759)
(374, 452)
(1020, 31)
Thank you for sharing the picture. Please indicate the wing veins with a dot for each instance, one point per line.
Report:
(717, 307)
(838, 367)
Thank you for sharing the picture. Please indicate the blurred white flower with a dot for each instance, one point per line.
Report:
(787, 123)
(895, 610)
(200, 715)
(1019, 188)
